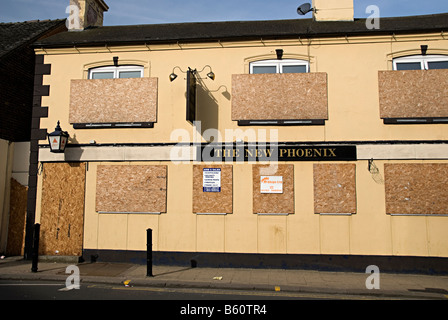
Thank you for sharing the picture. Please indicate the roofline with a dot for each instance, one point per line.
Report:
(30, 42)
(34, 21)
(336, 32)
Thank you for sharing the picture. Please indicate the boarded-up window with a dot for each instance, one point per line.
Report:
(280, 200)
(416, 188)
(413, 94)
(17, 217)
(334, 188)
(131, 189)
(294, 96)
(112, 101)
(213, 189)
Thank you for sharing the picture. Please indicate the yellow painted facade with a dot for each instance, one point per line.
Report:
(351, 64)
(368, 232)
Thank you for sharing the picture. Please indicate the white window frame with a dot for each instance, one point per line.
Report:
(423, 60)
(115, 70)
(279, 64)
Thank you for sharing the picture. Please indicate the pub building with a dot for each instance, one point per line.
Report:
(319, 142)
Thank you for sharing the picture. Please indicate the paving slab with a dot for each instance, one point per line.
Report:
(312, 281)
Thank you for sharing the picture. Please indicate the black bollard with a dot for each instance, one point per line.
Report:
(35, 254)
(149, 253)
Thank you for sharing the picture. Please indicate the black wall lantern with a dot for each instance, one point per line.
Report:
(279, 53)
(210, 75)
(58, 140)
(424, 49)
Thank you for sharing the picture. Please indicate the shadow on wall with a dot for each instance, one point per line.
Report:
(75, 153)
(208, 109)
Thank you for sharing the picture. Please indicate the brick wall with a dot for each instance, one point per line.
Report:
(16, 94)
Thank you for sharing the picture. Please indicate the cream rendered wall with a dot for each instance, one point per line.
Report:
(21, 162)
(242, 225)
(370, 229)
(353, 92)
(369, 232)
(352, 66)
(333, 10)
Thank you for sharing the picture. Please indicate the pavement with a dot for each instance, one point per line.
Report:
(337, 285)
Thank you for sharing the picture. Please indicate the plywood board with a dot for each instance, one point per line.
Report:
(113, 100)
(274, 203)
(128, 188)
(413, 93)
(279, 96)
(17, 217)
(416, 188)
(213, 202)
(334, 188)
(62, 213)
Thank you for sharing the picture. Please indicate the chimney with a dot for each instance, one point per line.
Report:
(85, 13)
(333, 10)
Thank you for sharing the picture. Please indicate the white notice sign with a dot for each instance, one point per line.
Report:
(271, 184)
(211, 180)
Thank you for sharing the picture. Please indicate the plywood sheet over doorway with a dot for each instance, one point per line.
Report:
(62, 214)
(17, 217)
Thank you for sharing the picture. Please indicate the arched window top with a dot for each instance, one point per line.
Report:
(116, 72)
(421, 62)
(280, 66)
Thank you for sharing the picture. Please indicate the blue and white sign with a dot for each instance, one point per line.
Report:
(211, 180)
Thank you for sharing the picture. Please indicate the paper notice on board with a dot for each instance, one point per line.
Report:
(211, 180)
(271, 184)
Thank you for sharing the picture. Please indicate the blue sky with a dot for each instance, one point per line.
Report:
(128, 12)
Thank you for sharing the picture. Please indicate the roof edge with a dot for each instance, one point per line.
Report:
(55, 25)
(243, 30)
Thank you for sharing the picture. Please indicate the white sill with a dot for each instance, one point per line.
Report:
(211, 213)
